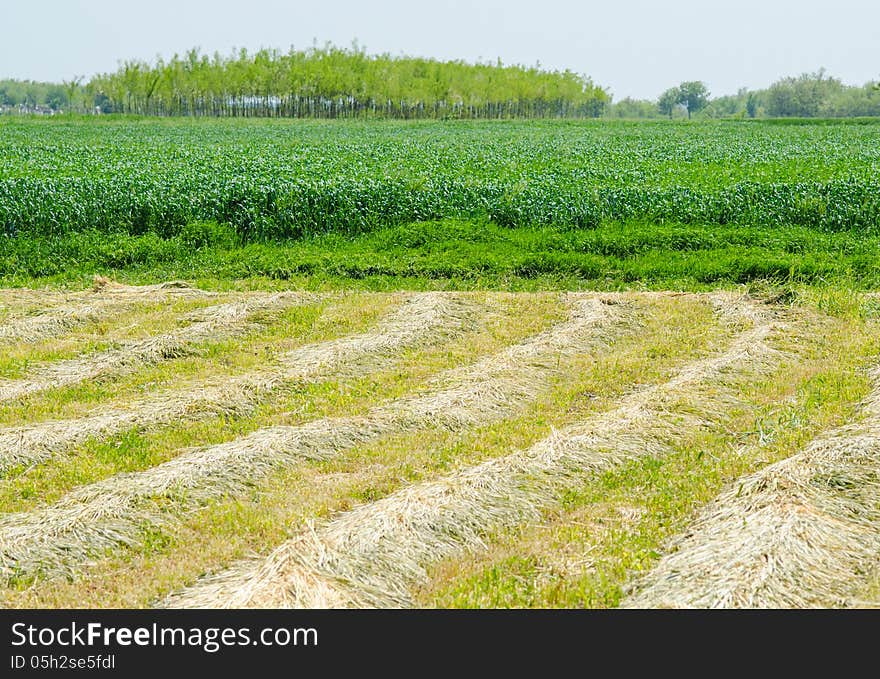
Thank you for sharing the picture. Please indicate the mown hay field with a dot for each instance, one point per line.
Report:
(167, 446)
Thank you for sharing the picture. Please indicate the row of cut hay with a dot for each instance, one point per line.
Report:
(374, 554)
(115, 511)
(737, 308)
(422, 320)
(57, 320)
(217, 322)
(425, 319)
(103, 285)
(16, 300)
(800, 533)
(102, 288)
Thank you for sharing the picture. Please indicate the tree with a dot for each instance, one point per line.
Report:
(56, 97)
(693, 95)
(72, 88)
(752, 105)
(805, 96)
(334, 81)
(668, 101)
(728, 106)
(7, 96)
(630, 108)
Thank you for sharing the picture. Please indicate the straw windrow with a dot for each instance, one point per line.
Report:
(107, 286)
(212, 323)
(374, 554)
(800, 533)
(55, 322)
(95, 307)
(424, 319)
(116, 510)
(51, 298)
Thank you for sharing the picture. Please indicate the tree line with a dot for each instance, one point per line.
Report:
(334, 82)
(809, 95)
(29, 95)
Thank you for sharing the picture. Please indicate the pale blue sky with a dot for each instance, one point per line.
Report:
(634, 47)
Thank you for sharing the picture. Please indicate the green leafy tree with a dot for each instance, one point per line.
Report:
(752, 105)
(7, 96)
(694, 96)
(56, 97)
(629, 108)
(728, 106)
(334, 81)
(668, 101)
(806, 96)
(73, 89)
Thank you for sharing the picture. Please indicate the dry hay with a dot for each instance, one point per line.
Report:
(101, 284)
(738, 308)
(57, 321)
(40, 297)
(106, 301)
(423, 319)
(212, 323)
(800, 533)
(115, 511)
(373, 555)
(102, 287)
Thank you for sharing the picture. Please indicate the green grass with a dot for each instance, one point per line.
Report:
(488, 204)
(464, 254)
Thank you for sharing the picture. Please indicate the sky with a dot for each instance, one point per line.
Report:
(635, 48)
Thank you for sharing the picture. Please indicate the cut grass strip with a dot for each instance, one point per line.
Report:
(38, 485)
(613, 527)
(23, 301)
(55, 322)
(269, 335)
(84, 309)
(117, 510)
(803, 532)
(111, 287)
(373, 554)
(671, 331)
(424, 319)
(213, 323)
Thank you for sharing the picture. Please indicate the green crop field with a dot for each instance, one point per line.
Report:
(472, 203)
(452, 364)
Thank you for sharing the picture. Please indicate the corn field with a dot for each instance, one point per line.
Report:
(280, 179)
